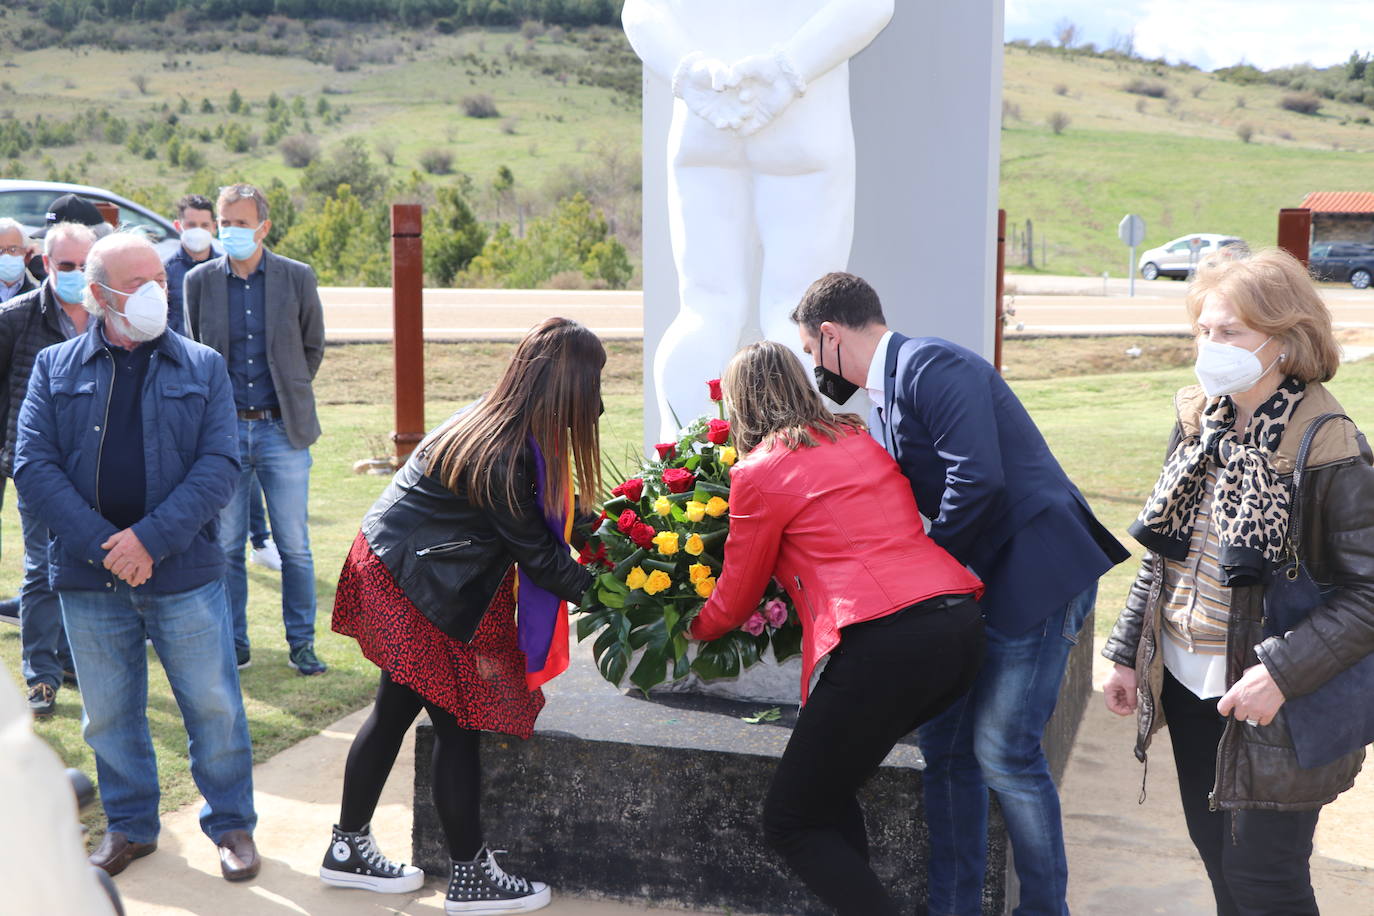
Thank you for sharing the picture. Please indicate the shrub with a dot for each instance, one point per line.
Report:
(1010, 109)
(386, 148)
(140, 81)
(437, 161)
(531, 29)
(1240, 101)
(508, 126)
(1301, 102)
(1061, 89)
(557, 35)
(1246, 132)
(299, 150)
(1145, 87)
(480, 106)
(345, 60)
(1058, 121)
(1141, 105)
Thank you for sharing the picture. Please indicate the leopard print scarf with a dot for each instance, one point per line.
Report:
(1250, 505)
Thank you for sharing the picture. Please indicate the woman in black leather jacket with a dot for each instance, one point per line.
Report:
(1191, 647)
(430, 592)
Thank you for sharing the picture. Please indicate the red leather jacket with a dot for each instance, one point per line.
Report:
(838, 527)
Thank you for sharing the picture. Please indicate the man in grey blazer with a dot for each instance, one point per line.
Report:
(262, 311)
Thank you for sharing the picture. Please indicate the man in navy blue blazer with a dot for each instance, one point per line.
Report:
(1001, 504)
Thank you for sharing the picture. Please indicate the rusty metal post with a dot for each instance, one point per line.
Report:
(408, 338)
(998, 315)
(1295, 232)
(108, 211)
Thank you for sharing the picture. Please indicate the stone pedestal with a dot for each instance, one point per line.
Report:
(658, 801)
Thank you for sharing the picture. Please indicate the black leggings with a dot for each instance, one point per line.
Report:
(456, 767)
(886, 677)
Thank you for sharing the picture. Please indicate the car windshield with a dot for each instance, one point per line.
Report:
(28, 207)
(1320, 251)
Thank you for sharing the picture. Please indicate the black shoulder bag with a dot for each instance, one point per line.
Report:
(1337, 717)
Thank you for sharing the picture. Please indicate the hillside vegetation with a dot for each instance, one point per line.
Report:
(499, 128)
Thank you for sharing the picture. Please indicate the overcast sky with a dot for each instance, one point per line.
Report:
(1210, 33)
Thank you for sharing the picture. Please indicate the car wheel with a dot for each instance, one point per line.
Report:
(1150, 271)
(1360, 279)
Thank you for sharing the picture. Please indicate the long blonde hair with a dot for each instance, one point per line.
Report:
(551, 390)
(770, 401)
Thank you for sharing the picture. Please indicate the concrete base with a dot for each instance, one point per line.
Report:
(658, 801)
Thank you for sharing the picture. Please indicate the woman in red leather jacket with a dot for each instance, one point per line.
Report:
(818, 504)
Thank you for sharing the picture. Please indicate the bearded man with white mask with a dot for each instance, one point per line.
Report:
(196, 223)
(127, 452)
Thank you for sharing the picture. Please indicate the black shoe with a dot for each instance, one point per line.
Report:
(242, 657)
(9, 611)
(353, 860)
(42, 700)
(304, 660)
(480, 886)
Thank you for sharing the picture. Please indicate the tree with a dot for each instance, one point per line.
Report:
(1356, 66)
(1066, 33)
(235, 102)
(345, 241)
(453, 236)
(348, 163)
(572, 238)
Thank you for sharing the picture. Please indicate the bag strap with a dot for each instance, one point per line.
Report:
(1299, 471)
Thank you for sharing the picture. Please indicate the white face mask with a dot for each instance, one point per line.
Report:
(1224, 369)
(145, 312)
(196, 240)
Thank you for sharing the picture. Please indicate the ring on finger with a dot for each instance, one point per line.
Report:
(1252, 722)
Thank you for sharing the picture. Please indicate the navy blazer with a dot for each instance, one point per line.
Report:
(981, 470)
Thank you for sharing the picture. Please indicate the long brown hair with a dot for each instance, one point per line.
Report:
(551, 390)
(771, 401)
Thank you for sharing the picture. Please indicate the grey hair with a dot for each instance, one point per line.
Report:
(98, 273)
(61, 232)
(231, 194)
(13, 225)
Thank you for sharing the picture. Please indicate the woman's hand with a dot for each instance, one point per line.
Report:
(1120, 690)
(1253, 698)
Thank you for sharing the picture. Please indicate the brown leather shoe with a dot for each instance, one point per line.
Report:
(238, 856)
(116, 852)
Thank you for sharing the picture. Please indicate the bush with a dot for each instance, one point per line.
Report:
(345, 60)
(480, 106)
(1301, 102)
(531, 29)
(558, 35)
(386, 148)
(1246, 132)
(1144, 87)
(508, 126)
(1058, 121)
(299, 150)
(1061, 89)
(348, 163)
(437, 161)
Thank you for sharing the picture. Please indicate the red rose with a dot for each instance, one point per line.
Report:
(679, 480)
(665, 450)
(643, 535)
(631, 489)
(714, 385)
(718, 431)
(627, 520)
(584, 556)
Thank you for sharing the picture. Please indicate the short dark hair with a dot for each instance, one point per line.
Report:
(194, 202)
(840, 298)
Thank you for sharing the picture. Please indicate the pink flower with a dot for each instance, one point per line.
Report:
(755, 624)
(775, 612)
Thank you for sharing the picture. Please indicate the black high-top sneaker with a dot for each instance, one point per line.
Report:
(353, 860)
(480, 886)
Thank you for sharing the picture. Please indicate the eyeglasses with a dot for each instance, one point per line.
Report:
(239, 190)
(13, 249)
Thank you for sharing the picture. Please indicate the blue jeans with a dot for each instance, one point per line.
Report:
(258, 532)
(990, 739)
(43, 644)
(284, 474)
(190, 632)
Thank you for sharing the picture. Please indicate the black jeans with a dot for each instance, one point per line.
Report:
(885, 678)
(1257, 860)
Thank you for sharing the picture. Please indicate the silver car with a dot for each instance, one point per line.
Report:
(1177, 259)
(27, 202)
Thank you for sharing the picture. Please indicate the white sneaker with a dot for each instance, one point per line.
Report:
(482, 886)
(267, 555)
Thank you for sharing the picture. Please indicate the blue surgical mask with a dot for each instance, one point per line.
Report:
(70, 285)
(11, 268)
(238, 241)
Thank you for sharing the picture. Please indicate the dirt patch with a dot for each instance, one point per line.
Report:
(1060, 357)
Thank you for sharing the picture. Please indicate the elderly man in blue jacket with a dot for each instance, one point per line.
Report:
(127, 451)
(1000, 503)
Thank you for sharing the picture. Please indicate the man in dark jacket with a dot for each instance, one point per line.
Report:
(263, 313)
(48, 315)
(127, 451)
(999, 502)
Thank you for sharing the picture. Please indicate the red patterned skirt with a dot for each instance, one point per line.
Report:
(482, 682)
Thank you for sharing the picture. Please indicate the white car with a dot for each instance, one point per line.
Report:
(27, 202)
(1177, 259)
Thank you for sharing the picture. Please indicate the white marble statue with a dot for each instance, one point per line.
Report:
(761, 167)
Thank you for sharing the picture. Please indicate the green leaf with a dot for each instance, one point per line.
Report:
(613, 665)
(609, 598)
(749, 648)
(771, 714)
(622, 569)
(650, 670)
(604, 642)
(691, 463)
(717, 659)
(787, 641)
(608, 580)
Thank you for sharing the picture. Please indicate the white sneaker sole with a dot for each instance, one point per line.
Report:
(536, 901)
(401, 885)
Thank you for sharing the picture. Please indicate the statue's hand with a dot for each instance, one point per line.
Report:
(704, 84)
(766, 84)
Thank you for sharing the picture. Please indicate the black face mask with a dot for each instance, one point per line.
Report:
(831, 384)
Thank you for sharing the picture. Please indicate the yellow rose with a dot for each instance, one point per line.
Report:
(717, 507)
(728, 455)
(662, 506)
(666, 542)
(698, 571)
(694, 545)
(636, 578)
(658, 581)
(706, 586)
(695, 511)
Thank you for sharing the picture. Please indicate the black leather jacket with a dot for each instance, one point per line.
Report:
(450, 556)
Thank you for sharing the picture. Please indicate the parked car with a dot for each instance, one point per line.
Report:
(1178, 258)
(1343, 262)
(27, 202)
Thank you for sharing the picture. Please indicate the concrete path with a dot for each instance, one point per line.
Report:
(1123, 857)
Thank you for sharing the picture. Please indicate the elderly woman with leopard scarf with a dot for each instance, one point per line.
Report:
(1192, 648)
